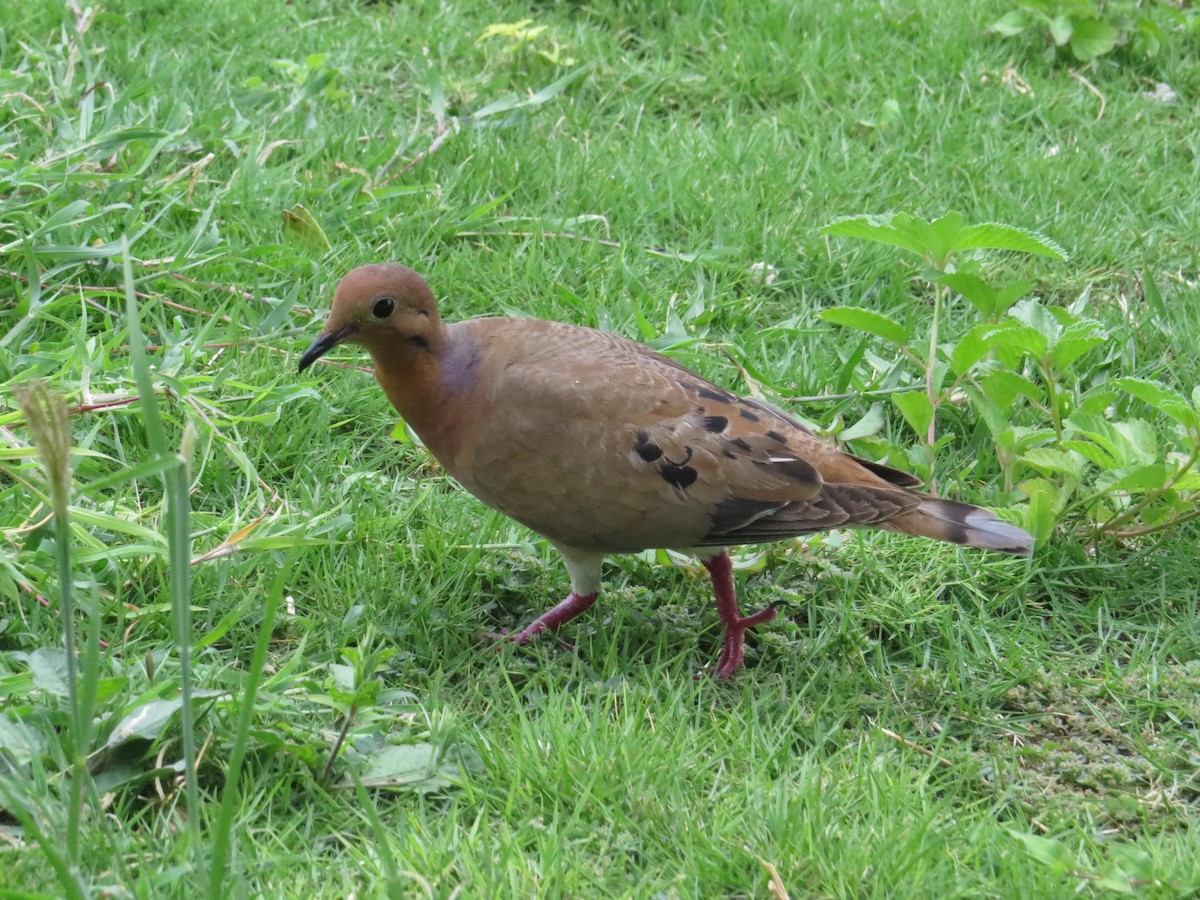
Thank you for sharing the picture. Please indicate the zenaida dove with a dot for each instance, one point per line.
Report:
(604, 446)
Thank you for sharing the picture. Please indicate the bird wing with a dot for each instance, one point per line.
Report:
(601, 443)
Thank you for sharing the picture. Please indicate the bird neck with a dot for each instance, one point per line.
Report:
(423, 382)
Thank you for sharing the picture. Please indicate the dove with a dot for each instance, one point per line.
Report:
(604, 446)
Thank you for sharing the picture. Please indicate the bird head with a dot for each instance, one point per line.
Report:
(384, 307)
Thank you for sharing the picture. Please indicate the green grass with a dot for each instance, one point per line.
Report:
(913, 710)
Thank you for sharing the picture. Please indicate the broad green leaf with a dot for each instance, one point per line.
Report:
(869, 321)
(1050, 460)
(1045, 501)
(997, 236)
(300, 224)
(917, 411)
(980, 294)
(420, 767)
(1011, 23)
(1048, 851)
(874, 228)
(1025, 338)
(1144, 478)
(20, 742)
(1165, 399)
(48, 665)
(1139, 438)
(1091, 38)
(1061, 28)
(972, 347)
(868, 425)
(150, 719)
(941, 237)
(1111, 877)
(1003, 388)
(1073, 343)
(1093, 452)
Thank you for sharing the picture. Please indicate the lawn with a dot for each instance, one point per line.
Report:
(181, 188)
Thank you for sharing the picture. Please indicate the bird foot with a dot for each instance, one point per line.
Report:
(734, 650)
(550, 620)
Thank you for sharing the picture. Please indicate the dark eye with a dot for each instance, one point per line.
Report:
(384, 308)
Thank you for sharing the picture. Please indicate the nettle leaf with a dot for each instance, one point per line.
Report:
(917, 411)
(1061, 28)
(989, 301)
(874, 228)
(149, 720)
(20, 741)
(980, 294)
(998, 236)
(1046, 499)
(1048, 460)
(1003, 388)
(941, 237)
(1099, 430)
(869, 321)
(1166, 400)
(1091, 38)
(868, 425)
(1094, 453)
(1144, 478)
(1076, 340)
(1140, 441)
(1048, 851)
(1025, 338)
(1011, 23)
(972, 347)
(48, 665)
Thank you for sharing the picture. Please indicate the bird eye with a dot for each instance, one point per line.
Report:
(384, 308)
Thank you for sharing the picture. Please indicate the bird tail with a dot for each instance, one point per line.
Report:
(961, 523)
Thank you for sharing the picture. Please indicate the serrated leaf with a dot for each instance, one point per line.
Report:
(1045, 501)
(48, 665)
(972, 347)
(938, 237)
(867, 320)
(1061, 28)
(1091, 38)
(1165, 399)
(418, 767)
(1003, 388)
(1092, 452)
(917, 411)
(978, 292)
(868, 425)
(149, 720)
(1024, 338)
(997, 236)
(873, 228)
(1048, 851)
(1048, 459)
(19, 742)
(1068, 348)
(1141, 443)
(1011, 23)
(1144, 478)
(300, 224)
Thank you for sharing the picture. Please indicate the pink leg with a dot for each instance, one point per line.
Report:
(721, 569)
(552, 619)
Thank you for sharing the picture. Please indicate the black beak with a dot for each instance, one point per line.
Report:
(325, 342)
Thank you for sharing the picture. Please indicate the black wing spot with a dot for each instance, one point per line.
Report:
(677, 476)
(716, 423)
(708, 393)
(645, 448)
(776, 436)
(747, 415)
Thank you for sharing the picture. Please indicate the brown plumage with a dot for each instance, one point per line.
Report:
(604, 446)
